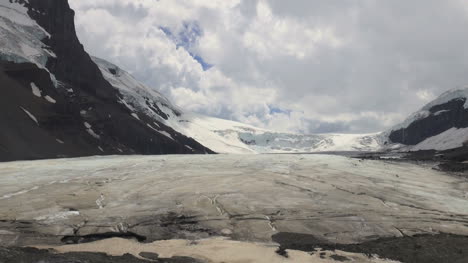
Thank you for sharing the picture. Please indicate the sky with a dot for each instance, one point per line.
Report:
(304, 66)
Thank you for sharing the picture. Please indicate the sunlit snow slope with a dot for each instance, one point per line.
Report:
(224, 136)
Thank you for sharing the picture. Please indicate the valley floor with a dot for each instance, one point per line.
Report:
(231, 208)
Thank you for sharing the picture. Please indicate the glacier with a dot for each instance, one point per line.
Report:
(224, 200)
(225, 136)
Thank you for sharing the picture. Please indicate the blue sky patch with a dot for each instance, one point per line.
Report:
(206, 66)
(188, 38)
(274, 110)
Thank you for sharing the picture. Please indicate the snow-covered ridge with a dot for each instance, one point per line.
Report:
(424, 111)
(224, 136)
(448, 96)
(136, 96)
(449, 131)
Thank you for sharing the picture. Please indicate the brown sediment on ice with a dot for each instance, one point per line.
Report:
(214, 250)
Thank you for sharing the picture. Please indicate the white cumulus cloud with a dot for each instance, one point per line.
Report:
(300, 66)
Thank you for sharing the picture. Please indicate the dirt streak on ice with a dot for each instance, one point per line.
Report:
(212, 250)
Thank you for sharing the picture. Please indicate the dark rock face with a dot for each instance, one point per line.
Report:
(83, 96)
(416, 249)
(443, 117)
(33, 255)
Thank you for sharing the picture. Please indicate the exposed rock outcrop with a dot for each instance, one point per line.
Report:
(55, 101)
(439, 126)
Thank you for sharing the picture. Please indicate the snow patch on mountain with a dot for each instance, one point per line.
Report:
(50, 99)
(16, 13)
(35, 90)
(20, 36)
(30, 115)
(450, 139)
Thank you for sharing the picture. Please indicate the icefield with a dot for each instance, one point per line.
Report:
(245, 197)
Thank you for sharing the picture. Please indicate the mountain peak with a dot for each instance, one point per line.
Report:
(441, 124)
(56, 102)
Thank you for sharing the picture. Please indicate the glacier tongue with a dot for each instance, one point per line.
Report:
(224, 136)
(253, 196)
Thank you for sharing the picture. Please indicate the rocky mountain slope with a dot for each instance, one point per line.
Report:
(54, 100)
(440, 125)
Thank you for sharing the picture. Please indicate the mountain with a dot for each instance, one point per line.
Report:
(55, 101)
(440, 125)
(223, 136)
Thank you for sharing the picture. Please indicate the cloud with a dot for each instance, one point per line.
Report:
(269, 36)
(302, 66)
